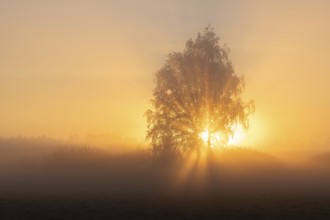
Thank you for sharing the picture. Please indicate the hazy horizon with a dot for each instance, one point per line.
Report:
(115, 109)
(80, 67)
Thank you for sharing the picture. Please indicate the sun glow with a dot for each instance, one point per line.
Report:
(204, 135)
(238, 137)
(216, 138)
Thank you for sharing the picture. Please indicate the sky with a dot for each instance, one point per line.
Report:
(82, 67)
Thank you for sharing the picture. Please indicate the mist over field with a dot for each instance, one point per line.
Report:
(42, 165)
(53, 179)
(170, 109)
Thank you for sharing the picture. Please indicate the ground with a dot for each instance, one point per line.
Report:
(235, 184)
(181, 207)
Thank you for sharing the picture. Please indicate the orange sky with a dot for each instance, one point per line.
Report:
(79, 67)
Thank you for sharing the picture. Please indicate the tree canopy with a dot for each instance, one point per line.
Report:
(196, 90)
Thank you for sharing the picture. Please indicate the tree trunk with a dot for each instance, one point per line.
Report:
(209, 142)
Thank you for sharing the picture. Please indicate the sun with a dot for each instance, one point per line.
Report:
(204, 135)
(238, 137)
(216, 139)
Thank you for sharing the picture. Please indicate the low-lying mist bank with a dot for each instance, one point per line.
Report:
(87, 170)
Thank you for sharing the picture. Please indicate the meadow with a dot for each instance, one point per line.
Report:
(56, 181)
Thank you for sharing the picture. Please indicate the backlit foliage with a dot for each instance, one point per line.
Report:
(196, 90)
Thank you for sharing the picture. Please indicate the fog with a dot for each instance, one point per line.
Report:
(43, 165)
(87, 67)
(76, 79)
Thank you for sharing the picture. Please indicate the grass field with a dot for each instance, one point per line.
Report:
(187, 207)
(85, 183)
